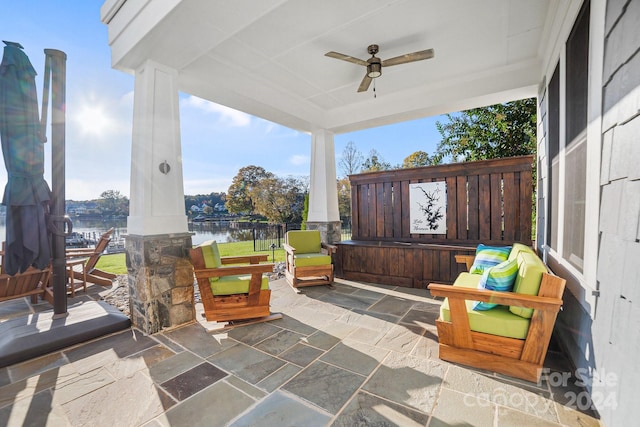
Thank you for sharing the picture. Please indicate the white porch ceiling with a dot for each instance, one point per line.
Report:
(266, 57)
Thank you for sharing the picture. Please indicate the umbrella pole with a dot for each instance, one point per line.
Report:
(57, 59)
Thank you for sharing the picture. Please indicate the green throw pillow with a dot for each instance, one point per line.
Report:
(488, 256)
(497, 278)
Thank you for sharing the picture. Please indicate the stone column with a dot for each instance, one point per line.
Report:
(160, 281)
(159, 272)
(323, 192)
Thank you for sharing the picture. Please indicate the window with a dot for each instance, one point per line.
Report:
(553, 139)
(569, 153)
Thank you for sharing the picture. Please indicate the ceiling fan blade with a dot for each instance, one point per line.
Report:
(347, 58)
(409, 57)
(364, 84)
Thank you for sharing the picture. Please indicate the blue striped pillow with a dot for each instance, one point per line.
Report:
(488, 256)
(498, 278)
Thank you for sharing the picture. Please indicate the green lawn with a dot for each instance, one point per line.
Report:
(116, 264)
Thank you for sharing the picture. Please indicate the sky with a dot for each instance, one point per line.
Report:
(216, 141)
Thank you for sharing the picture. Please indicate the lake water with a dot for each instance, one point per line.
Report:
(221, 231)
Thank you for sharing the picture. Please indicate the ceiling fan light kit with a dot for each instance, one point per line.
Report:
(374, 64)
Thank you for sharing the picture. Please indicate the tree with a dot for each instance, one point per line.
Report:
(501, 130)
(375, 162)
(351, 160)
(417, 159)
(111, 202)
(344, 198)
(280, 200)
(239, 194)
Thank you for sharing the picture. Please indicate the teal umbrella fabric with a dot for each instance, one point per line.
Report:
(26, 194)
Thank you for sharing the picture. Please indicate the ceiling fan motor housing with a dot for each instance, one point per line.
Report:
(374, 69)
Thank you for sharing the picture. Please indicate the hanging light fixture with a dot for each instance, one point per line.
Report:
(374, 69)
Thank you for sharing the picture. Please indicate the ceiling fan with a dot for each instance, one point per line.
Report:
(374, 64)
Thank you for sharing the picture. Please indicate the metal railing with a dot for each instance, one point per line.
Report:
(267, 237)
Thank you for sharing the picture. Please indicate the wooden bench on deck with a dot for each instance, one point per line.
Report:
(511, 338)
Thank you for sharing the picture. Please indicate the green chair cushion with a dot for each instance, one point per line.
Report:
(211, 256)
(530, 269)
(488, 256)
(239, 284)
(498, 321)
(517, 248)
(305, 241)
(498, 278)
(307, 260)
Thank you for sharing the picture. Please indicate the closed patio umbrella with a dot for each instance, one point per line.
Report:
(26, 194)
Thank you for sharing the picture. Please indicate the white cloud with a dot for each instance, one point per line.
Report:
(226, 115)
(299, 159)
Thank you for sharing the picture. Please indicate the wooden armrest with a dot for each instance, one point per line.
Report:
(331, 249)
(235, 270)
(244, 259)
(81, 252)
(74, 262)
(504, 298)
(465, 259)
(288, 248)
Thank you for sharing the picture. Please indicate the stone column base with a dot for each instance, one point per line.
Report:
(160, 281)
(330, 232)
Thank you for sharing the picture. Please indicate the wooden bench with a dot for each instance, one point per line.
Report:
(462, 335)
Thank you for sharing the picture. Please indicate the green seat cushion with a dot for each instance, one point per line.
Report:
(239, 284)
(530, 269)
(498, 321)
(488, 256)
(517, 248)
(498, 278)
(305, 241)
(211, 256)
(307, 260)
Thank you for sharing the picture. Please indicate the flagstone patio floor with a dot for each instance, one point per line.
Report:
(352, 355)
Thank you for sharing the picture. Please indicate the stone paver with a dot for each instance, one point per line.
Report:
(357, 354)
(246, 362)
(280, 410)
(369, 410)
(408, 380)
(214, 406)
(325, 385)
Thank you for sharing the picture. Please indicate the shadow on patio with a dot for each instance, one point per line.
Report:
(357, 354)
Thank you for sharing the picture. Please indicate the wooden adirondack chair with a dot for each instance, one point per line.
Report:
(234, 292)
(81, 265)
(308, 259)
(31, 283)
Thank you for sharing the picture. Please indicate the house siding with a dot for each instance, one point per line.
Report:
(607, 341)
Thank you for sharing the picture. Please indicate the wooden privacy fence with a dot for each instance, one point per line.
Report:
(487, 201)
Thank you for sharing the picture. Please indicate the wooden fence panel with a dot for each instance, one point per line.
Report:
(488, 201)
